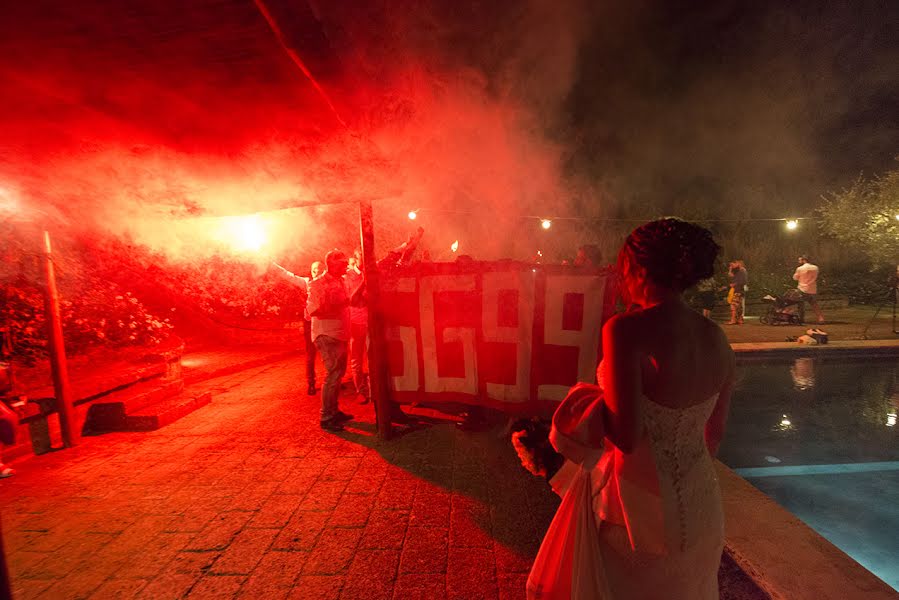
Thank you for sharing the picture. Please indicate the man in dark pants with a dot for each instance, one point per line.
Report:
(311, 351)
(328, 307)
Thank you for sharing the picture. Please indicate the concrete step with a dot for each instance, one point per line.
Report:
(160, 414)
(115, 377)
(110, 413)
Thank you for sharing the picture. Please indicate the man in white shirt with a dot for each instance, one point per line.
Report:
(328, 307)
(807, 276)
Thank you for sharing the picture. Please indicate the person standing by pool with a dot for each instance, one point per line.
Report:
(739, 279)
(807, 276)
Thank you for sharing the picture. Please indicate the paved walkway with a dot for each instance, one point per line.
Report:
(248, 498)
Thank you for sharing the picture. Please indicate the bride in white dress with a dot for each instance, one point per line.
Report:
(667, 377)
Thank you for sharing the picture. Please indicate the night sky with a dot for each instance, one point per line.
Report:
(601, 109)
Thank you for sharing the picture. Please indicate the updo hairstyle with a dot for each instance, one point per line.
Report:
(676, 254)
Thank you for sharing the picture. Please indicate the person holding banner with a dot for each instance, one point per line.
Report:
(658, 417)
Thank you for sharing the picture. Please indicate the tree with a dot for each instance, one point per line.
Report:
(865, 217)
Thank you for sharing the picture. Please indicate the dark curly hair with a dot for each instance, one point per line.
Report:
(676, 254)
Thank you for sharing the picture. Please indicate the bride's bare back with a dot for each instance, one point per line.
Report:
(671, 355)
(689, 356)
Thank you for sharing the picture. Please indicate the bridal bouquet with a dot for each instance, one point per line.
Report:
(530, 438)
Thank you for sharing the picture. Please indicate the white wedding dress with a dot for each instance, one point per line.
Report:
(661, 520)
(658, 509)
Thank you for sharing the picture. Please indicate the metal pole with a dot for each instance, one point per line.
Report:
(377, 347)
(58, 365)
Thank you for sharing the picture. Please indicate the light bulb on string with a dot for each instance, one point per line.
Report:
(792, 224)
(413, 214)
(546, 223)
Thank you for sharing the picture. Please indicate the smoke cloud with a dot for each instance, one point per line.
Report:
(151, 122)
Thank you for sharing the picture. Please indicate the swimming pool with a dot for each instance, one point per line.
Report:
(820, 437)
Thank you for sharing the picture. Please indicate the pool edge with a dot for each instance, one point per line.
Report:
(786, 558)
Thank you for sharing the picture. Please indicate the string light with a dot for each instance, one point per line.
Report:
(547, 222)
(455, 246)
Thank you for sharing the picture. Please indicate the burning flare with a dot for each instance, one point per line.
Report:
(245, 234)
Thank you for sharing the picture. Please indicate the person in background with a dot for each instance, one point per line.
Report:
(706, 290)
(328, 308)
(738, 284)
(358, 328)
(806, 275)
(402, 254)
(893, 284)
(8, 418)
(303, 284)
(588, 256)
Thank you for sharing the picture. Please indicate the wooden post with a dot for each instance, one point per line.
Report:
(70, 436)
(377, 346)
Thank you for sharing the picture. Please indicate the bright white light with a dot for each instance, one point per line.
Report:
(7, 202)
(546, 223)
(891, 419)
(785, 424)
(897, 217)
(245, 233)
(412, 215)
(792, 224)
(455, 246)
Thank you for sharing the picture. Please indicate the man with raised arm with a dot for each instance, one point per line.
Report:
(303, 283)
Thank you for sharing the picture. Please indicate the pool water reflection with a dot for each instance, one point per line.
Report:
(820, 437)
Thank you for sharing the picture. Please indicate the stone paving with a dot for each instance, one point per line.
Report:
(248, 498)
